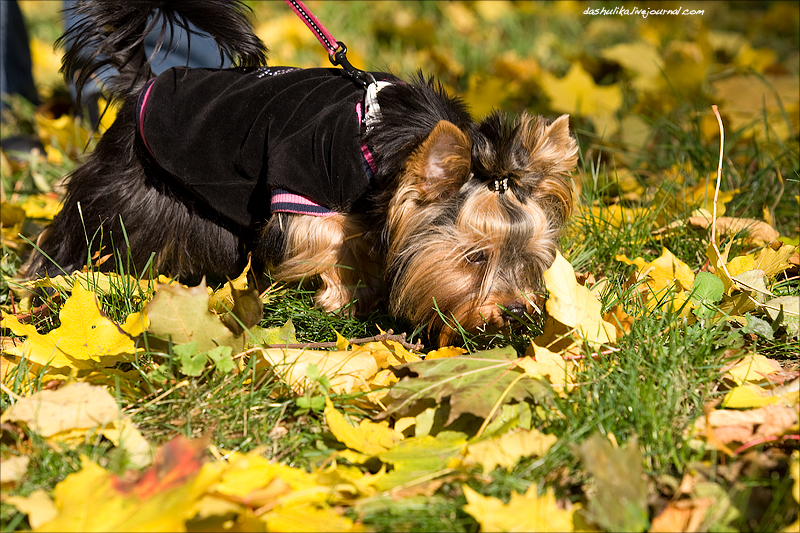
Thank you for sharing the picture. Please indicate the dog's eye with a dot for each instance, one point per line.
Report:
(476, 257)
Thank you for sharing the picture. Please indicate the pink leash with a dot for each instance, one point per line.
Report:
(337, 50)
(323, 35)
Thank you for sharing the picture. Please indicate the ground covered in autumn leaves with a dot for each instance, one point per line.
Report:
(657, 391)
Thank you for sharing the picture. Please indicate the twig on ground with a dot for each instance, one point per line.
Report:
(388, 336)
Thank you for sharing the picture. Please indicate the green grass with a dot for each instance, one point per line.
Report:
(652, 387)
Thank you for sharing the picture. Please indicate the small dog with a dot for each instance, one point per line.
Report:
(393, 191)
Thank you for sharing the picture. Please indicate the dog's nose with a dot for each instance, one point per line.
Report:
(515, 310)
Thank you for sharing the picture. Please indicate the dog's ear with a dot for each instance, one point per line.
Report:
(442, 162)
(552, 149)
(553, 154)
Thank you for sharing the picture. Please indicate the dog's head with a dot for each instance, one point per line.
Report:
(475, 222)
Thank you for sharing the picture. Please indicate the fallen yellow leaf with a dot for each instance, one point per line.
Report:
(38, 506)
(748, 396)
(306, 517)
(85, 339)
(348, 371)
(542, 363)
(508, 448)
(752, 368)
(522, 513)
(578, 93)
(662, 272)
(368, 437)
(574, 305)
(161, 499)
(75, 412)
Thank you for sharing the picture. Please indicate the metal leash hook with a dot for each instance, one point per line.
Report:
(339, 58)
(338, 54)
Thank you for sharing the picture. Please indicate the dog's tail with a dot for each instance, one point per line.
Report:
(111, 34)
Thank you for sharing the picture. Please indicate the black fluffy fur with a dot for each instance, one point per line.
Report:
(164, 226)
(111, 35)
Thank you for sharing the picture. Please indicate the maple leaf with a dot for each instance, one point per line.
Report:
(284, 498)
(181, 314)
(368, 438)
(486, 93)
(252, 481)
(770, 260)
(11, 219)
(751, 101)
(73, 413)
(507, 449)
(542, 363)
(238, 305)
(274, 336)
(752, 368)
(421, 458)
(578, 93)
(447, 351)
(663, 272)
(528, 512)
(472, 384)
(623, 322)
(160, 499)
(221, 301)
(642, 59)
(310, 518)
(619, 502)
(85, 339)
(99, 282)
(37, 505)
(573, 306)
(42, 206)
(743, 426)
(348, 371)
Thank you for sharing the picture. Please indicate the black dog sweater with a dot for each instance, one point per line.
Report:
(249, 142)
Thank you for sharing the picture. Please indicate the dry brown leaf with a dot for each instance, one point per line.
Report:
(622, 321)
(675, 517)
(731, 425)
(757, 230)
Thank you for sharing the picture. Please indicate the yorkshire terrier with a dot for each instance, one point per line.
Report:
(392, 191)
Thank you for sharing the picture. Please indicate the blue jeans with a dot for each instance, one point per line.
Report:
(15, 54)
(203, 52)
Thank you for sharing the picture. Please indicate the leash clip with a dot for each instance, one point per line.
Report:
(339, 58)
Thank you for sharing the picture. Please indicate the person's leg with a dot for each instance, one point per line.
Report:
(15, 54)
(184, 50)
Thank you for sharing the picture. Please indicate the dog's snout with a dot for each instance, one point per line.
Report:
(515, 310)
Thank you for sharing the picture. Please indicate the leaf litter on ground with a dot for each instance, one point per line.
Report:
(437, 438)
